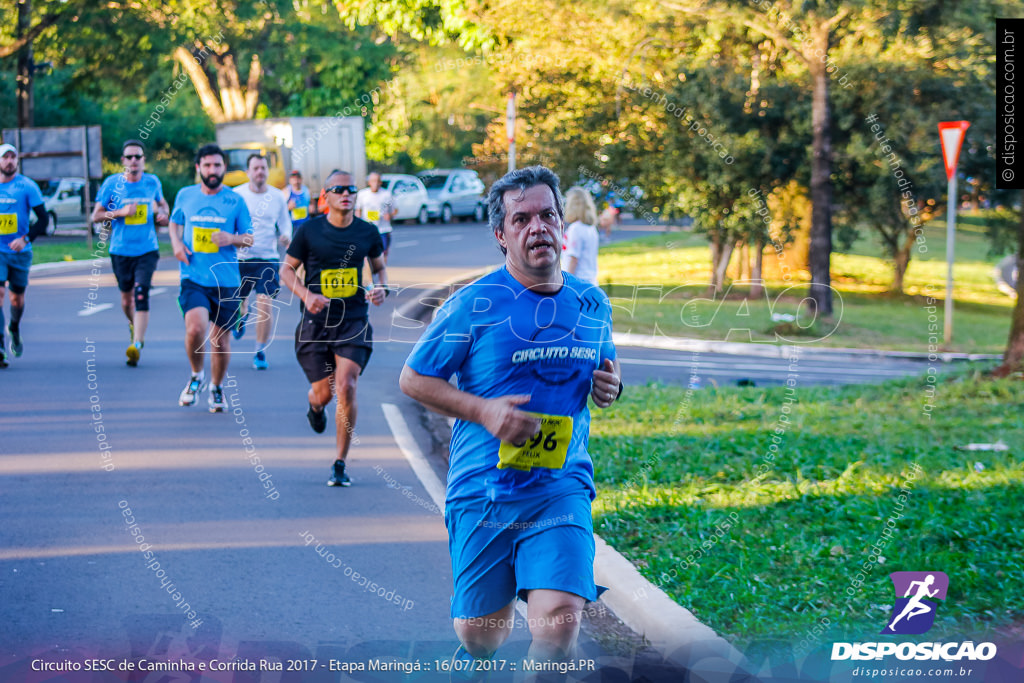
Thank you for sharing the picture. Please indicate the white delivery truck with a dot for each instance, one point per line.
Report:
(312, 145)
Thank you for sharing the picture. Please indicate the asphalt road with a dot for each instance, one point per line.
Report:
(134, 528)
(124, 513)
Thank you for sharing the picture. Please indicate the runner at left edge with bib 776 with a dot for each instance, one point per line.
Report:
(132, 204)
(18, 195)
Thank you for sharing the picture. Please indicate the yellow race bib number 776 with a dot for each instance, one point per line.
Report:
(8, 223)
(547, 448)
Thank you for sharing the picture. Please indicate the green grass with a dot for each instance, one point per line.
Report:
(46, 251)
(658, 285)
(678, 469)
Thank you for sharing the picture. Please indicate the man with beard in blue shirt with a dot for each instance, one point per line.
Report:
(527, 345)
(208, 223)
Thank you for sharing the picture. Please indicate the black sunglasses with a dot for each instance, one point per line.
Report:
(133, 156)
(341, 189)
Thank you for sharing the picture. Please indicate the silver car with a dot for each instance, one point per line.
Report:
(453, 193)
(409, 194)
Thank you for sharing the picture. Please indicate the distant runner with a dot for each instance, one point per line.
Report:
(334, 340)
(132, 204)
(258, 265)
(299, 200)
(209, 221)
(18, 195)
(376, 205)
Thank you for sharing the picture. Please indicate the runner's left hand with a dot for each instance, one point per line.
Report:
(606, 385)
(376, 295)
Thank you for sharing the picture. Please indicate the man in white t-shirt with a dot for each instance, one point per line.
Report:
(258, 265)
(376, 205)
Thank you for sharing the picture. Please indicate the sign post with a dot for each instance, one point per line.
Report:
(510, 130)
(951, 133)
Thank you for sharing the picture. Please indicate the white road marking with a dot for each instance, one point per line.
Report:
(405, 243)
(407, 444)
(451, 238)
(157, 290)
(94, 309)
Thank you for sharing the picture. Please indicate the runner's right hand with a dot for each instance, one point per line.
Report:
(315, 302)
(503, 419)
(182, 252)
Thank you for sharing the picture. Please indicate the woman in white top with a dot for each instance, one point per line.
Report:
(579, 255)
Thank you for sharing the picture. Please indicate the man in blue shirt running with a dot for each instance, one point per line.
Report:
(132, 204)
(527, 344)
(18, 195)
(209, 221)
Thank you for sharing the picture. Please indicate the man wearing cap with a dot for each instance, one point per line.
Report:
(376, 205)
(18, 195)
(132, 204)
(298, 198)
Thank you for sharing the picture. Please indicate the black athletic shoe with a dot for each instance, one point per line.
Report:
(3, 358)
(317, 420)
(16, 346)
(338, 476)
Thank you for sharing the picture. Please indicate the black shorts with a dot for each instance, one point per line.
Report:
(134, 270)
(260, 275)
(316, 345)
(385, 237)
(221, 302)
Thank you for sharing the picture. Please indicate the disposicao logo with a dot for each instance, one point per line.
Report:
(913, 612)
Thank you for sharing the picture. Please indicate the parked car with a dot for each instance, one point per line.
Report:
(453, 193)
(409, 194)
(64, 199)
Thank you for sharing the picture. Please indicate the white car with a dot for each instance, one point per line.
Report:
(64, 199)
(454, 193)
(409, 194)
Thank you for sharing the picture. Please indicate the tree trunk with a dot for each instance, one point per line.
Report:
(721, 254)
(757, 280)
(820, 251)
(1013, 358)
(26, 63)
(201, 81)
(901, 262)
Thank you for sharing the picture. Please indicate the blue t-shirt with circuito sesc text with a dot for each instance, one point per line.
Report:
(17, 198)
(499, 338)
(202, 215)
(136, 234)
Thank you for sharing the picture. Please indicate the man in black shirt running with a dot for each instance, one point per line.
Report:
(333, 341)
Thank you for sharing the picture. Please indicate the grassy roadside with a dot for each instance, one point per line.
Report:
(667, 295)
(49, 251)
(783, 555)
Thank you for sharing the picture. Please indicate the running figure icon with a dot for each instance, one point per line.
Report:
(914, 610)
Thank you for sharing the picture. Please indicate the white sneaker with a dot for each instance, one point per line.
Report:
(188, 394)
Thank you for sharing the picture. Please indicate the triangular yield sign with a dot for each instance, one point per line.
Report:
(952, 135)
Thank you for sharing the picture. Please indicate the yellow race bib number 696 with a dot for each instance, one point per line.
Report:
(547, 448)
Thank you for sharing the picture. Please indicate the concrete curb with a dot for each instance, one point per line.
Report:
(768, 350)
